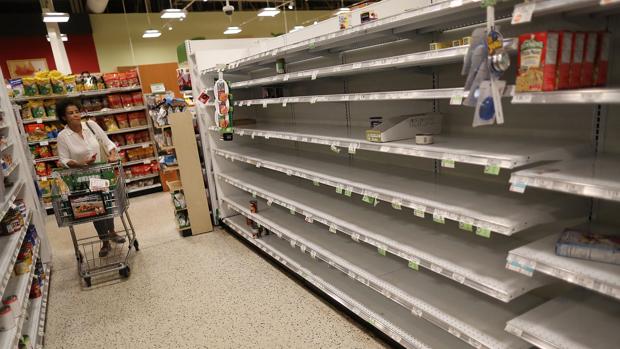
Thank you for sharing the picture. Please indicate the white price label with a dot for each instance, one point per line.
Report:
(302, 248)
(269, 202)
(313, 254)
(357, 65)
(457, 98)
(314, 75)
(284, 103)
(456, 3)
(253, 135)
(286, 77)
(518, 187)
(146, 145)
(335, 149)
(264, 104)
(447, 163)
(332, 228)
(309, 219)
(417, 312)
(522, 13)
(458, 278)
(258, 164)
(384, 149)
(521, 98)
(355, 237)
(292, 242)
(313, 100)
(146, 162)
(352, 148)
(44, 143)
(396, 204)
(39, 121)
(289, 172)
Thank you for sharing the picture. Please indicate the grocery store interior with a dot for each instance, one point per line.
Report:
(310, 174)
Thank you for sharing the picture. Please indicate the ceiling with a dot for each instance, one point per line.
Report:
(139, 6)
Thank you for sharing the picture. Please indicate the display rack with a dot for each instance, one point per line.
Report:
(416, 224)
(19, 197)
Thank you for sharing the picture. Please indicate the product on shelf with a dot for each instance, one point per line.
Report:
(57, 82)
(565, 54)
(110, 123)
(111, 80)
(12, 301)
(30, 87)
(182, 219)
(121, 120)
(585, 244)
(17, 87)
(70, 83)
(7, 318)
(137, 99)
(537, 60)
(12, 222)
(405, 127)
(601, 61)
(126, 100)
(37, 108)
(178, 199)
(136, 119)
(114, 101)
(43, 83)
(577, 60)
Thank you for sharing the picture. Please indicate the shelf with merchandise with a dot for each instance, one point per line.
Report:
(37, 311)
(145, 161)
(139, 178)
(135, 145)
(9, 250)
(128, 129)
(445, 197)
(437, 248)
(398, 323)
(91, 93)
(594, 176)
(112, 111)
(540, 257)
(577, 319)
(463, 313)
(51, 158)
(494, 153)
(39, 120)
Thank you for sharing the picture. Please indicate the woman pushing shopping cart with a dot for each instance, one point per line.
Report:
(91, 190)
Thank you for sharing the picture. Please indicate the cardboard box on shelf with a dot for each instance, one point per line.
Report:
(537, 61)
(405, 127)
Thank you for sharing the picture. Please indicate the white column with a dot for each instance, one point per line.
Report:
(58, 48)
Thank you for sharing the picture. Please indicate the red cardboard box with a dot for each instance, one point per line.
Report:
(537, 61)
(602, 59)
(579, 40)
(587, 66)
(565, 52)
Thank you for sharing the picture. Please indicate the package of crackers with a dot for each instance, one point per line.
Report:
(565, 52)
(537, 61)
(601, 61)
(579, 40)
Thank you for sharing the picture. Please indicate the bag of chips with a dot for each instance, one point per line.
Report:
(70, 83)
(30, 87)
(57, 81)
(37, 108)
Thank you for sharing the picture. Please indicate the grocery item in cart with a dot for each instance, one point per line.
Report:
(87, 205)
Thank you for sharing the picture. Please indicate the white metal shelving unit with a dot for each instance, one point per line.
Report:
(22, 179)
(359, 206)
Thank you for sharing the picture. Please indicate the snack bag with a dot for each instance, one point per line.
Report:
(114, 101)
(126, 100)
(70, 83)
(26, 112)
(111, 80)
(602, 59)
(122, 79)
(137, 98)
(44, 85)
(57, 81)
(17, 86)
(565, 53)
(40, 169)
(129, 138)
(110, 124)
(38, 110)
(30, 87)
(122, 120)
(100, 82)
(50, 107)
(537, 60)
(579, 41)
(132, 78)
(589, 55)
(45, 151)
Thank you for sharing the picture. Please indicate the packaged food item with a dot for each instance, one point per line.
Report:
(137, 99)
(585, 244)
(89, 81)
(7, 319)
(17, 86)
(344, 20)
(54, 148)
(114, 101)
(126, 100)
(100, 82)
(110, 123)
(35, 289)
(129, 138)
(70, 83)
(111, 80)
(44, 85)
(50, 108)
(565, 52)
(122, 79)
(44, 151)
(40, 169)
(122, 120)
(576, 60)
(26, 112)
(37, 108)
(589, 55)
(537, 61)
(131, 78)
(79, 83)
(602, 59)
(134, 119)
(57, 82)
(30, 87)
(35, 132)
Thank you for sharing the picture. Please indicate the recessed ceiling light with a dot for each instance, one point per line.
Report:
(232, 30)
(268, 12)
(151, 33)
(173, 13)
(63, 37)
(55, 17)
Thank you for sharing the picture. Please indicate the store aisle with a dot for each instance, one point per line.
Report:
(207, 291)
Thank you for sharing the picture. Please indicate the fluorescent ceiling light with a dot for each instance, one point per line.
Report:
(55, 17)
(268, 12)
(232, 30)
(63, 37)
(173, 13)
(296, 28)
(151, 33)
(343, 10)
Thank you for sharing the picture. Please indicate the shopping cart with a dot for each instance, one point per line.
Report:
(90, 194)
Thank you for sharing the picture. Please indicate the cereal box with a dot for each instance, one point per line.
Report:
(565, 51)
(587, 66)
(537, 61)
(602, 59)
(579, 40)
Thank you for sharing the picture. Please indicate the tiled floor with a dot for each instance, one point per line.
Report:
(207, 291)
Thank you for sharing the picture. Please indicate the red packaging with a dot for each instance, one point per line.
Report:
(114, 101)
(132, 78)
(127, 100)
(137, 98)
(111, 80)
(579, 41)
(122, 78)
(565, 52)
(602, 59)
(122, 120)
(129, 139)
(134, 119)
(587, 66)
(537, 60)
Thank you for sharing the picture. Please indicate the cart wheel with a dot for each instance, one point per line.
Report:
(124, 272)
(87, 281)
(136, 245)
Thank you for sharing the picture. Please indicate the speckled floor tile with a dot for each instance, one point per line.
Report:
(207, 291)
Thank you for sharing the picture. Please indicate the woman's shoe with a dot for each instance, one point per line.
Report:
(117, 239)
(105, 249)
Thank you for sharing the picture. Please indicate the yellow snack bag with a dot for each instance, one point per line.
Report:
(30, 87)
(70, 83)
(44, 85)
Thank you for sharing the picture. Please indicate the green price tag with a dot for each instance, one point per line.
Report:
(332, 228)
(438, 219)
(491, 170)
(381, 251)
(254, 195)
(347, 192)
(339, 190)
(447, 163)
(418, 213)
(368, 199)
(316, 183)
(484, 232)
(292, 210)
(413, 265)
(466, 226)
(396, 205)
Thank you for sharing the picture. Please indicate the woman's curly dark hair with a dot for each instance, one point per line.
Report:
(61, 108)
